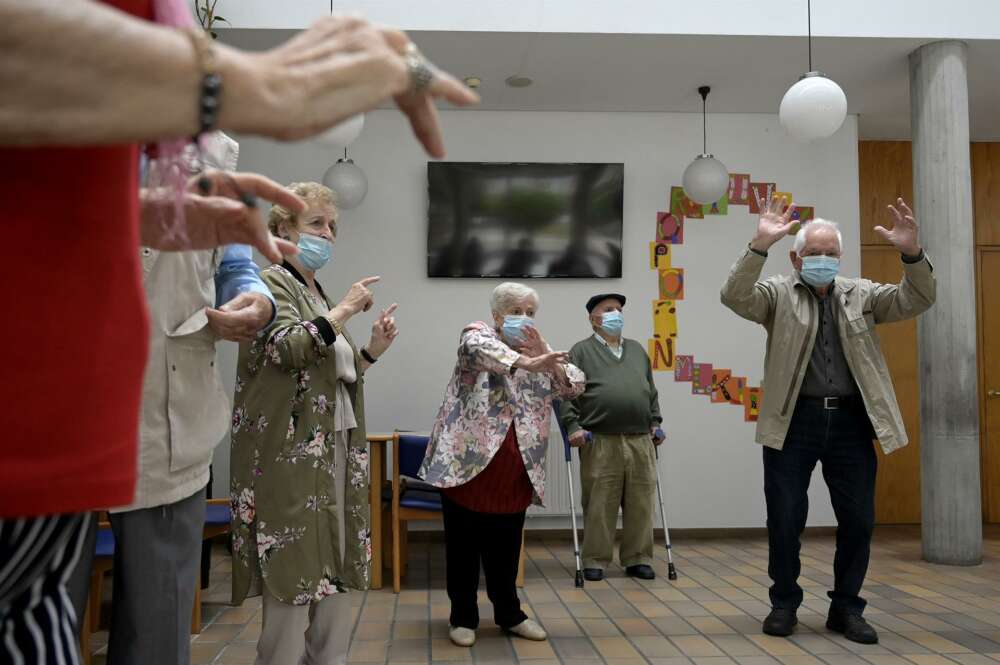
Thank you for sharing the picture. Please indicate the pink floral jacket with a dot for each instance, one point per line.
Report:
(483, 399)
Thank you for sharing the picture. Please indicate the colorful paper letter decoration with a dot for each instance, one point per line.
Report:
(760, 194)
(803, 213)
(680, 204)
(669, 228)
(683, 366)
(661, 353)
(751, 404)
(739, 189)
(701, 378)
(659, 255)
(664, 320)
(720, 385)
(720, 207)
(737, 386)
(672, 284)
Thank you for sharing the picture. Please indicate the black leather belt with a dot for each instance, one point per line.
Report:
(831, 403)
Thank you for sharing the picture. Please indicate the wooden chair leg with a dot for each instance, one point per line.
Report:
(196, 610)
(404, 547)
(94, 600)
(520, 564)
(387, 539)
(395, 556)
(85, 635)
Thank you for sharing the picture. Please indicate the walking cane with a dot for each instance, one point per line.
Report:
(671, 571)
(572, 498)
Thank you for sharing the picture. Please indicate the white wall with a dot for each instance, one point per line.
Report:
(959, 19)
(712, 468)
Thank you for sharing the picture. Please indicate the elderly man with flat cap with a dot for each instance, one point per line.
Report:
(616, 424)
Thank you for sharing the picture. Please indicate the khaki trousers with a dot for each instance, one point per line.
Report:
(618, 470)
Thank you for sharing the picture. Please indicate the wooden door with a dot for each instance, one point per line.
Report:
(885, 173)
(897, 488)
(989, 311)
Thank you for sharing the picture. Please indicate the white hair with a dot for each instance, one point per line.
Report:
(507, 295)
(818, 223)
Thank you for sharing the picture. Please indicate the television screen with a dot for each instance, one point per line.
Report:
(524, 220)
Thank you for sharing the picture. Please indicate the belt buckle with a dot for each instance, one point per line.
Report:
(827, 401)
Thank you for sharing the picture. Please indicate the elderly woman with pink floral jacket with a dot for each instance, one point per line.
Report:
(487, 452)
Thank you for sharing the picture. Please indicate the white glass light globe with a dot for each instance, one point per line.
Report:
(348, 182)
(706, 180)
(813, 108)
(344, 134)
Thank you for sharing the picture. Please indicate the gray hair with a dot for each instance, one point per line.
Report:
(800, 237)
(508, 294)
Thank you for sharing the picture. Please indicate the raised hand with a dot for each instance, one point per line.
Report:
(534, 344)
(359, 299)
(546, 362)
(774, 223)
(903, 234)
(240, 319)
(343, 65)
(384, 332)
(223, 212)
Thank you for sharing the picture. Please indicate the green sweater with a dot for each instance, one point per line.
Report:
(620, 397)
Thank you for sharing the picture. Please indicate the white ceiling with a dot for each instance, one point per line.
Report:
(653, 73)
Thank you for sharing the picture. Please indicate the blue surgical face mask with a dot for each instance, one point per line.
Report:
(314, 252)
(612, 323)
(513, 327)
(819, 271)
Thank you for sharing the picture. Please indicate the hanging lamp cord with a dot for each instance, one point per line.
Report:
(703, 91)
(809, 32)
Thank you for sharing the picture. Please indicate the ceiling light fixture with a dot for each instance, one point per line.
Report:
(706, 179)
(815, 107)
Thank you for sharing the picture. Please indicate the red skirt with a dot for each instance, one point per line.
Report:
(502, 487)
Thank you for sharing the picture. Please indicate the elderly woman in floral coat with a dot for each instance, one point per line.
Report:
(487, 452)
(299, 461)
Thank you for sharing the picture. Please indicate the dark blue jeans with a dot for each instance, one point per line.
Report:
(841, 440)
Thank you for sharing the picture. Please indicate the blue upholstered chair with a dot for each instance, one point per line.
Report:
(413, 499)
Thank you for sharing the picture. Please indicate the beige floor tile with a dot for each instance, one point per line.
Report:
(695, 646)
(615, 647)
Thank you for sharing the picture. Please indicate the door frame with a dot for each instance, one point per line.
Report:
(984, 438)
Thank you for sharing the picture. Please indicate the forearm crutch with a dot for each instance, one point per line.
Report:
(671, 571)
(568, 450)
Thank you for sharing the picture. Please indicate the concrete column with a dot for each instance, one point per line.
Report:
(949, 406)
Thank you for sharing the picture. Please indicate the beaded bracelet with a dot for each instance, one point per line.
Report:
(210, 89)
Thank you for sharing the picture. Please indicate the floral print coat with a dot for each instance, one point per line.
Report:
(483, 399)
(286, 524)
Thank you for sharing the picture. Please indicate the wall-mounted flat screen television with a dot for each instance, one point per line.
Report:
(520, 220)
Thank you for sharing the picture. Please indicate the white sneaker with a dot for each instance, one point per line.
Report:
(462, 637)
(529, 630)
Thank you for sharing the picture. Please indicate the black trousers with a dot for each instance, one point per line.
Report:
(841, 440)
(495, 540)
(38, 623)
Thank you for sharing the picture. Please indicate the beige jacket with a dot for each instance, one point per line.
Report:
(185, 408)
(790, 313)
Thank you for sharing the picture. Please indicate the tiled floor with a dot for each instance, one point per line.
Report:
(926, 615)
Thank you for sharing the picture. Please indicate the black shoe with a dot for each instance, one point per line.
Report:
(780, 622)
(642, 571)
(852, 626)
(593, 574)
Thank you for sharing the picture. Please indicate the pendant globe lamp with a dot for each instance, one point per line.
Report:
(347, 181)
(814, 107)
(706, 179)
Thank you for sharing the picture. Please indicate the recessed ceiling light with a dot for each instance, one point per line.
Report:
(518, 81)
(473, 81)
